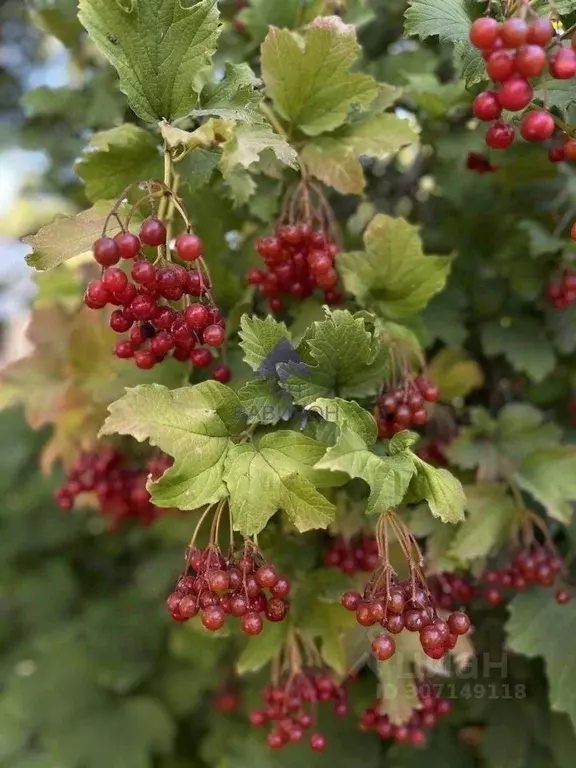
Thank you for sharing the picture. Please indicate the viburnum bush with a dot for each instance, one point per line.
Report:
(302, 373)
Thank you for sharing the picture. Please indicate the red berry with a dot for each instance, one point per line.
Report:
(458, 623)
(483, 32)
(276, 609)
(119, 322)
(106, 252)
(530, 60)
(573, 231)
(540, 32)
(317, 742)
(431, 637)
(189, 247)
(214, 336)
(97, 295)
(383, 647)
(213, 618)
(128, 245)
(201, 358)
(281, 588)
(501, 65)
(570, 149)
(197, 317)
(161, 344)
(251, 623)
(255, 277)
(143, 307)
(114, 279)
(124, 350)
(153, 232)
(486, 106)
(266, 576)
(500, 135)
(563, 597)
(222, 373)
(276, 305)
(515, 94)
(563, 64)
(351, 600)
(514, 32)
(194, 285)
(556, 154)
(143, 272)
(537, 126)
(144, 359)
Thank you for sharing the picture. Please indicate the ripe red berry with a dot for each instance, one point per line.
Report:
(537, 126)
(570, 149)
(214, 336)
(144, 359)
(276, 609)
(350, 600)
(515, 94)
(213, 618)
(501, 65)
(143, 307)
(153, 232)
(128, 245)
(500, 135)
(282, 588)
(143, 272)
(161, 344)
(106, 252)
(383, 647)
(255, 277)
(266, 576)
(251, 623)
(201, 358)
(563, 597)
(556, 154)
(431, 637)
(530, 60)
(318, 742)
(119, 322)
(189, 247)
(197, 317)
(573, 231)
(97, 295)
(486, 106)
(514, 32)
(124, 350)
(563, 64)
(114, 279)
(458, 623)
(483, 33)
(540, 32)
(222, 373)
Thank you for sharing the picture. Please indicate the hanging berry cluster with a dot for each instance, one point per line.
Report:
(357, 555)
(291, 699)
(300, 256)
(431, 709)
(217, 587)
(165, 307)
(403, 605)
(563, 292)
(402, 407)
(120, 489)
(516, 52)
(452, 590)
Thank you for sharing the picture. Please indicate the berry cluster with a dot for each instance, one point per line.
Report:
(119, 489)
(452, 590)
(563, 293)
(360, 554)
(233, 587)
(226, 701)
(291, 708)
(155, 329)
(405, 606)
(402, 407)
(299, 259)
(515, 52)
(533, 565)
(432, 708)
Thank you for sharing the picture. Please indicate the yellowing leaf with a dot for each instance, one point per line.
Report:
(454, 373)
(308, 77)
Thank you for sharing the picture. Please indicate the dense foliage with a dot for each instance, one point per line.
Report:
(289, 471)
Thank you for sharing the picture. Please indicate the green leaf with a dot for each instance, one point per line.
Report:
(234, 97)
(69, 236)
(248, 142)
(562, 326)
(388, 477)
(327, 622)
(193, 425)
(507, 737)
(58, 19)
(127, 734)
(541, 240)
(277, 474)
(262, 649)
(258, 338)
(197, 167)
(549, 475)
(538, 626)
(449, 19)
(342, 356)
(488, 524)
(392, 275)
(157, 47)
(116, 158)
(442, 491)
(264, 402)
(335, 160)
(308, 77)
(523, 343)
(523, 429)
(347, 415)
